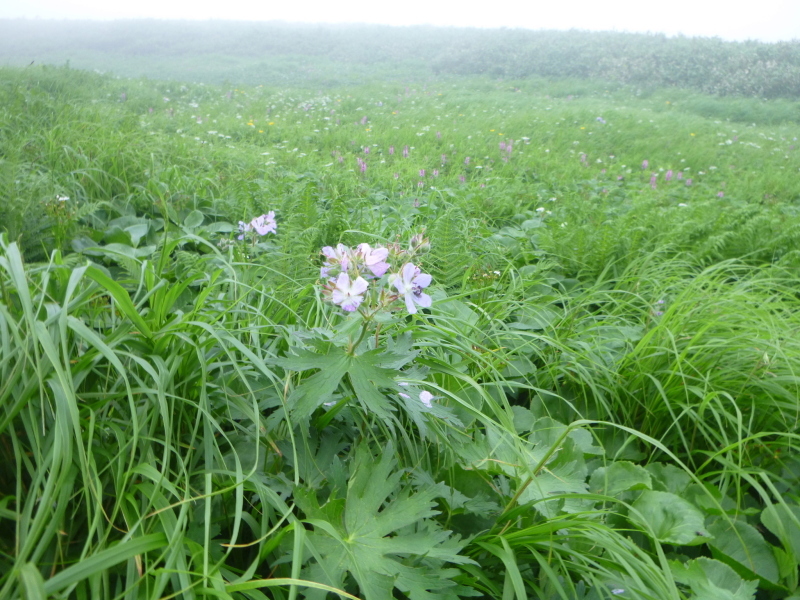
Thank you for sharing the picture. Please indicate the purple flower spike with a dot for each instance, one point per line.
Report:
(349, 295)
(653, 181)
(422, 172)
(391, 149)
(410, 283)
(405, 151)
(668, 175)
(645, 164)
(466, 161)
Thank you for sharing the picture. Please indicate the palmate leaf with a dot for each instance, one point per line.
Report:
(367, 373)
(384, 537)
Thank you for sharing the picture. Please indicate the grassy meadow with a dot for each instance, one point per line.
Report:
(430, 337)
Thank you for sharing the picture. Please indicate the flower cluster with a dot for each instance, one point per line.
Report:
(350, 272)
(261, 225)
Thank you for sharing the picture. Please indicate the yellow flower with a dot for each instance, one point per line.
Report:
(271, 123)
(491, 130)
(691, 134)
(583, 127)
(260, 131)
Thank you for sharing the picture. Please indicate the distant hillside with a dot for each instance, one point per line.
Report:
(317, 55)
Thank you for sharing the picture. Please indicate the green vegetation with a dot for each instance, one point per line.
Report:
(284, 54)
(601, 400)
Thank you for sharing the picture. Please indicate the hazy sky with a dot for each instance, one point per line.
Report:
(766, 20)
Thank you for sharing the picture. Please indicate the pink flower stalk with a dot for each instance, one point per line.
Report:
(397, 175)
(420, 184)
(462, 179)
(720, 194)
(645, 164)
(689, 182)
(679, 176)
(502, 146)
(391, 149)
(444, 158)
(374, 259)
(436, 172)
(438, 135)
(349, 295)
(410, 283)
(405, 151)
(653, 181)
(366, 149)
(466, 161)
(422, 172)
(668, 175)
(364, 120)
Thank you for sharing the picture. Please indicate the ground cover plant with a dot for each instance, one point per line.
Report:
(443, 338)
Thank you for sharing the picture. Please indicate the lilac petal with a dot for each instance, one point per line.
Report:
(352, 303)
(423, 280)
(329, 252)
(408, 273)
(399, 285)
(378, 269)
(412, 310)
(425, 397)
(359, 286)
(423, 300)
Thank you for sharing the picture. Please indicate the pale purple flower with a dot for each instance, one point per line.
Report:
(466, 161)
(679, 176)
(425, 397)
(391, 149)
(601, 120)
(366, 149)
(462, 179)
(410, 283)
(420, 184)
(436, 172)
(668, 175)
(364, 120)
(244, 228)
(645, 164)
(422, 172)
(653, 181)
(397, 175)
(349, 295)
(689, 181)
(438, 135)
(444, 158)
(339, 256)
(265, 223)
(502, 145)
(405, 151)
(720, 194)
(374, 259)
